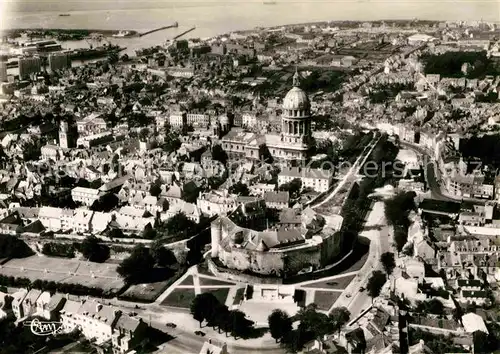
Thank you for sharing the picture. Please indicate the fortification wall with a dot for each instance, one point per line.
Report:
(236, 275)
(265, 263)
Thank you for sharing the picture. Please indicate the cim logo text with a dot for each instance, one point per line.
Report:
(45, 328)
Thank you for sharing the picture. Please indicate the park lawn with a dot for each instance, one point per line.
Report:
(338, 283)
(325, 299)
(219, 293)
(145, 292)
(187, 281)
(180, 298)
(240, 293)
(209, 281)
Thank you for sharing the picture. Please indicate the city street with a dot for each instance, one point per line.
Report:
(186, 341)
(352, 173)
(377, 231)
(433, 178)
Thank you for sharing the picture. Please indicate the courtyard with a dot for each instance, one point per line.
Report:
(60, 270)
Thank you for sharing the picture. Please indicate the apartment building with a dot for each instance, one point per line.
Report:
(86, 196)
(197, 119)
(277, 200)
(51, 218)
(128, 332)
(59, 61)
(89, 141)
(29, 66)
(214, 203)
(177, 119)
(103, 324)
(92, 124)
(316, 179)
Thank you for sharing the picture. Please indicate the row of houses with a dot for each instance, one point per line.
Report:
(80, 220)
(106, 325)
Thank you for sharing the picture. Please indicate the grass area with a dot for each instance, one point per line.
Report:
(219, 293)
(144, 292)
(180, 298)
(238, 298)
(148, 292)
(338, 283)
(209, 281)
(187, 280)
(203, 269)
(325, 299)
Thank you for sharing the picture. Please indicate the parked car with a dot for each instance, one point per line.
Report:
(171, 325)
(347, 295)
(132, 313)
(361, 289)
(200, 333)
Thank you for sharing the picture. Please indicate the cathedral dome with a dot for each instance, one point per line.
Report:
(296, 99)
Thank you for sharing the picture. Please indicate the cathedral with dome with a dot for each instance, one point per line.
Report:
(292, 144)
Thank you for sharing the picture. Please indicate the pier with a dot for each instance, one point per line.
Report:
(159, 29)
(185, 32)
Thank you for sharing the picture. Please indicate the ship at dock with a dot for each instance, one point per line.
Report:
(122, 34)
(97, 52)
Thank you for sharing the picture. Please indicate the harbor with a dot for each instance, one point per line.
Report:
(174, 25)
(184, 33)
(87, 46)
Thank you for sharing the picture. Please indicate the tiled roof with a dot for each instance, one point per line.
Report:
(127, 323)
(277, 197)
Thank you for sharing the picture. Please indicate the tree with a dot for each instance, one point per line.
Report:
(400, 237)
(240, 189)
(165, 205)
(12, 247)
(179, 223)
(294, 341)
(339, 317)
(139, 263)
(480, 340)
(31, 151)
(155, 190)
(293, 187)
(433, 306)
(190, 192)
(143, 134)
(280, 324)
(318, 324)
(202, 306)
(238, 324)
(218, 154)
(171, 144)
(115, 233)
(375, 283)
(162, 256)
(93, 250)
(398, 208)
(388, 262)
(149, 233)
(218, 316)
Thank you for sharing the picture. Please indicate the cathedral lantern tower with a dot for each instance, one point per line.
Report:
(67, 135)
(296, 118)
